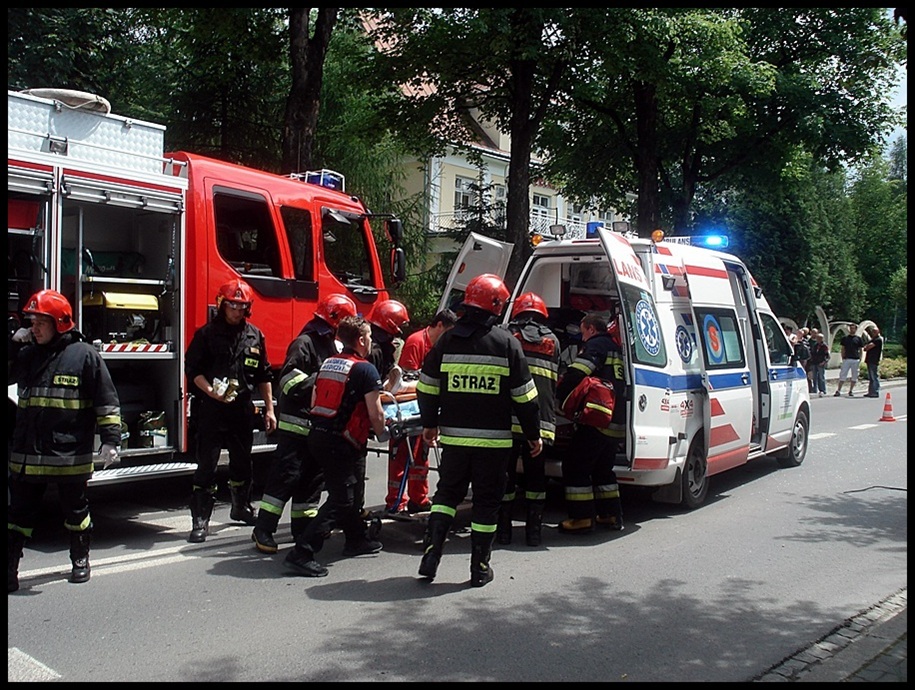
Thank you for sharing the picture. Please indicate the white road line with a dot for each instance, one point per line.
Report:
(821, 436)
(860, 427)
(23, 668)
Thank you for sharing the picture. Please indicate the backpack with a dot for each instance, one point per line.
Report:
(801, 351)
(591, 402)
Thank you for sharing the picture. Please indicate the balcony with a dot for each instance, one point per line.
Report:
(539, 222)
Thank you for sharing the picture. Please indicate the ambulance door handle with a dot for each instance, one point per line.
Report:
(745, 377)
(773, 374)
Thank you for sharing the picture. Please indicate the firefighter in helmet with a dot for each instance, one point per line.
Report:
(473, 381)
(66, 396)
(541, 348)
(225, 362)
(294, 472)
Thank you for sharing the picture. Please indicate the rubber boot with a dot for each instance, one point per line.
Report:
(613, 520)
(433, 544)
(202, 503)
(533, 527)
(504, 524)
(14, 542)
(264, 527)
(79, 556)
(241, 510)
(480, 552)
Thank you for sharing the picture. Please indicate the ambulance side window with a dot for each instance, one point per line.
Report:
(719, 334)
(776, 343)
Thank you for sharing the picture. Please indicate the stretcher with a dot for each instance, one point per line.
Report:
(404, 425)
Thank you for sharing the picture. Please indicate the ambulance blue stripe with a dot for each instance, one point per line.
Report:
(684, 382)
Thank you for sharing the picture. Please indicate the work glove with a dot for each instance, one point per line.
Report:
(23, 335)
(395, 379)
(109, 454)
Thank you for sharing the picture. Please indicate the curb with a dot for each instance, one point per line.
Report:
(870, 646)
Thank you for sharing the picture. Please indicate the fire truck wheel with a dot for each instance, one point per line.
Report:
(695, 475)
(796, 450)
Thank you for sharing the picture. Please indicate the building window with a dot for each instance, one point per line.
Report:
(464, 194)
(540, 205)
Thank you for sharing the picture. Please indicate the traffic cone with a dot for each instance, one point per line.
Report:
(888, 410)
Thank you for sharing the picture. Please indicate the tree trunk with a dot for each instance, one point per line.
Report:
(648, 217)
(306, 59)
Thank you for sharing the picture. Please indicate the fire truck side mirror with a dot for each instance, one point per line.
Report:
(398, 265)
(394, 228)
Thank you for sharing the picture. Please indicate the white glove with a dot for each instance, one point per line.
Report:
(109, 454)
(23, 335)
(395, 379)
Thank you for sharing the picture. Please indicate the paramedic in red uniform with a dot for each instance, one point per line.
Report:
(347, 406)
(415, 498)
(472, 382)
(541, 348)
(294, 472)
(65, 394)
(591, 490)
(228, 347)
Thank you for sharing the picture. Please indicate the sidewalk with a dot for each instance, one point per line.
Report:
(869, 647)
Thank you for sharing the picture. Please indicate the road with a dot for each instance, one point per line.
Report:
(774, 560)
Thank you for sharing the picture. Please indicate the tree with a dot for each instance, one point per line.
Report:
(505, 63)
(668, 100)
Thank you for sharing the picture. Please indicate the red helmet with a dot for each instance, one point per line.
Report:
(487, 292)
(613, 328)
(390, 316)
(529, 301)
(236, 290)
(51, 303)
(335, 307)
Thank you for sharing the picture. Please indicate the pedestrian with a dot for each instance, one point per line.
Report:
(802, 348)
(294, 473)
(415, 498)
(810, 368)
(852, 345)
(472, 382)
(346, 407)
(873, 353)
(819, 360)
(65, 393)
(591, 490)
(541, 348)
(225, 362)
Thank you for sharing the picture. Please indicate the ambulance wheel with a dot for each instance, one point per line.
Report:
(695, 476)
(796, 450)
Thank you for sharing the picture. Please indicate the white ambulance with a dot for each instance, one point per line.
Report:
(712, 380)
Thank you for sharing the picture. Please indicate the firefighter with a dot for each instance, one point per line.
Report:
(346, 407)
(294, 473)
(65, 393)
(591, 490)
(541, 348)
(226, 360)
(472, 381)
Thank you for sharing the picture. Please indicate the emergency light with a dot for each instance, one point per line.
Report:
(710, 241)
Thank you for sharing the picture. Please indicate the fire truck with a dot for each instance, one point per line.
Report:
(140, 240)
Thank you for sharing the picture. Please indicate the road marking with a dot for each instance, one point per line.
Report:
(821, 436)
(861, 427)
(23, 668)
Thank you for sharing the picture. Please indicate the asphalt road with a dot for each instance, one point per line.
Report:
(773, 561)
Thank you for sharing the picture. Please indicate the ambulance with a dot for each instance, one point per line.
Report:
(712, 381)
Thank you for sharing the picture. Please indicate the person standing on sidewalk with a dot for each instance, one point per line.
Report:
(472, 381)
(852, 345)
(65, 392)
(873, 353)
(346, 407)
(228, 348)
(819, 359)
(294, 472)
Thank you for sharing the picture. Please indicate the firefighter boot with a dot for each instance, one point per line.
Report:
(264, 527)
(504, 524)
(534, 523)
(298, 525)
(242, 511)
(480, 552)
(433, 543)
(79, 556)
(201, 509)
(613, 520)
(14, 542)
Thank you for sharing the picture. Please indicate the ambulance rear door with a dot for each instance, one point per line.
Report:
(647, 375)
(479, 255)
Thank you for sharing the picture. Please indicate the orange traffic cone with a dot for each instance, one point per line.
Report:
(888, 410)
